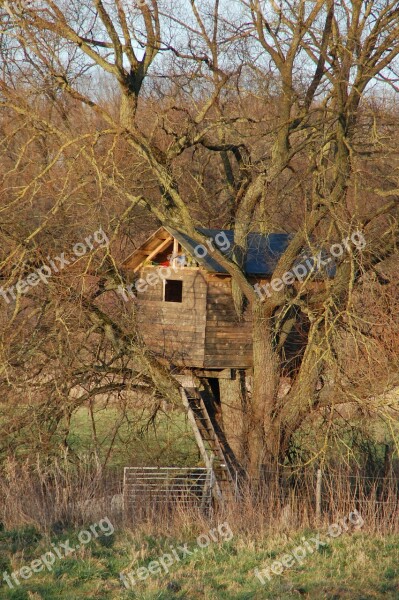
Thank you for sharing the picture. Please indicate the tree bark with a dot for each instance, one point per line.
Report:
(262, 437)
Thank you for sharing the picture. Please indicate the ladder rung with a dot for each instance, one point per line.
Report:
(206, 430)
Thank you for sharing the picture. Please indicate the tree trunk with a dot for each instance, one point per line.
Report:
(263, 438)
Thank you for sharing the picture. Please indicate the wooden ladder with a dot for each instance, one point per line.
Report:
(205, 435)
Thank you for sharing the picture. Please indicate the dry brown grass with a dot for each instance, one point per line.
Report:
(62, 496)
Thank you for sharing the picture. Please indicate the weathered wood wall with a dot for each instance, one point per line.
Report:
(175, 331)
(203, 331)
(228, 342)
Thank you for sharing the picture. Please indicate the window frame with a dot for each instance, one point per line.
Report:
(176, 281)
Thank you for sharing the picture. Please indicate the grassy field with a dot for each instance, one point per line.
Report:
(136, 442)
(355, 566)
(118, 438)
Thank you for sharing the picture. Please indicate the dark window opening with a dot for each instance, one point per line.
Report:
(173, 291)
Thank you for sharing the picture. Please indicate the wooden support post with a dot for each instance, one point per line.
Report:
(318, 494)
(207, 492)
(175, 247)
(124, 498)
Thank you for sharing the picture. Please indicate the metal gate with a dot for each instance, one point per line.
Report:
(151, 487)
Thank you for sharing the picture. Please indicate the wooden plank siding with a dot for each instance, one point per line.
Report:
(228, 342)
(173, 330)
(203, 330)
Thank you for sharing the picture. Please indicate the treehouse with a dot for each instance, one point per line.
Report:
(185, 313)
(185, 308)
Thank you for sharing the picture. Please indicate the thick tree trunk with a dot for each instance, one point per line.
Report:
(248, 418)
(263, 438)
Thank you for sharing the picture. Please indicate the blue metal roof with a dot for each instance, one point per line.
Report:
(264, 250)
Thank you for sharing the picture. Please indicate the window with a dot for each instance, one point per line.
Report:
(173, 291)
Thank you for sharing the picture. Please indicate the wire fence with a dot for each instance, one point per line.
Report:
(312, 494)
(326, 491)
(290, 498)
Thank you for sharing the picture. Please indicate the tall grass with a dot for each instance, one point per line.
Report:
(62, 496)
(57, 496)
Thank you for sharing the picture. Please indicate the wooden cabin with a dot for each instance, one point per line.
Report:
(184, 302)
(186, 316)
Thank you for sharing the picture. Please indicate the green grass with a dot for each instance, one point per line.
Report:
(137, 442)
(171, 442)
(355, 566)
